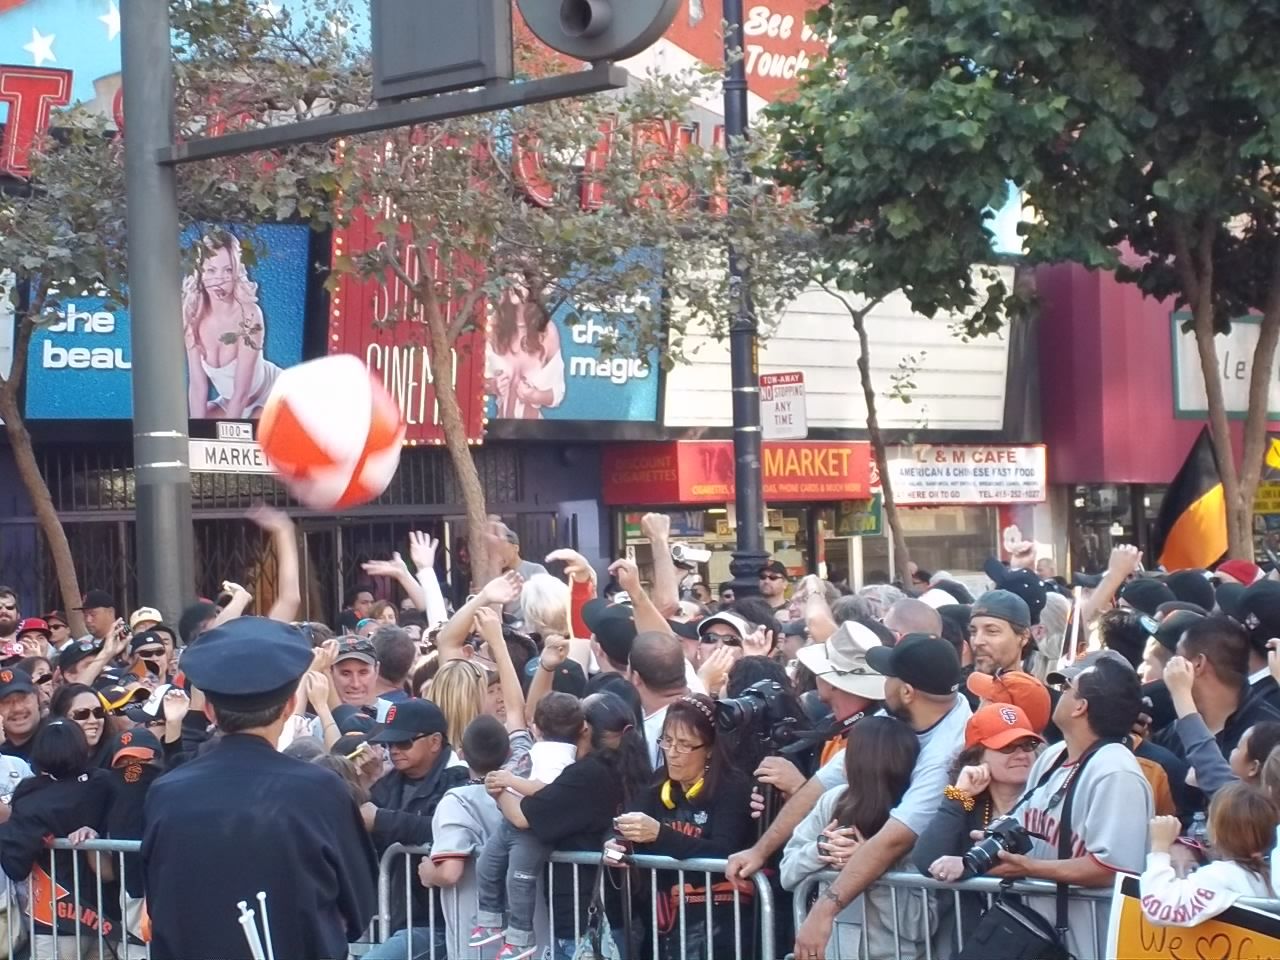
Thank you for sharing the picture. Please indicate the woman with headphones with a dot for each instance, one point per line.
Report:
(697, 807)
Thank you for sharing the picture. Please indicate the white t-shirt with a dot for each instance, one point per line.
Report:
(652, 731)
(549, 759)
(1110, 808)
(938, 748)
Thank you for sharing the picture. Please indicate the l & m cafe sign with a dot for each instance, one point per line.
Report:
(702, 471)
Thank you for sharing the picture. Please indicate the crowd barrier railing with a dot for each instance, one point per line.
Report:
(748, 918)
(938, 900)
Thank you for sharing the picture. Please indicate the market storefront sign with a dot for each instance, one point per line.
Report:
(967, 474)
(702, 471)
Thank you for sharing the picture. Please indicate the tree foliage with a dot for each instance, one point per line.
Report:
(1144, 136)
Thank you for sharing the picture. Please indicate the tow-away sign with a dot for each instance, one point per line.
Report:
(782, 406)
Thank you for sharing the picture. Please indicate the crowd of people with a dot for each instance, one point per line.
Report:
(1123, 723)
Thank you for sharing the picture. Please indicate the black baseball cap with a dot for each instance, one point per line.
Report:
(1258, 609)
(1191, 586)
(613, 626)
(1227, 597)
(15, 681)
(351, 719)
(774, 566)
(1173, 626)
(96, 599)
(147, 638)
(1003, 605)
(75, 651)
(1089, 581)
(1023, 583)
(1146, 595)
(410, 719)
(926, 662)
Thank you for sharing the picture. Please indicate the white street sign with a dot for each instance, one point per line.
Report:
(782, 406)
(227, 456)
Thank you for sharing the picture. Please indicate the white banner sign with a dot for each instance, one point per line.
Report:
(227, 456)
(1235, 369)
(783, 414)
(940, 474)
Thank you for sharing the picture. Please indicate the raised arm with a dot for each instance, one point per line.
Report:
(666, 586)
(398, 570)
(422, 551)
(582, 586)
(236, 606)
(1124, 561)
(489, 626)
(496, 593)
(648, 616)
(284, 538)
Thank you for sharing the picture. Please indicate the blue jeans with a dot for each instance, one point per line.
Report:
(397, 946)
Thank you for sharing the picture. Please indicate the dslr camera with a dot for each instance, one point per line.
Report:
(762, 705)
(1006, 834)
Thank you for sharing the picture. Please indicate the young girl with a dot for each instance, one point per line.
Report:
(1242, 826)
(880, 756)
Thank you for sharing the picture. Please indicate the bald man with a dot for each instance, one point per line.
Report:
(913, 616)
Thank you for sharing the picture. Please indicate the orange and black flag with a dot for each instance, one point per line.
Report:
(1191, 531)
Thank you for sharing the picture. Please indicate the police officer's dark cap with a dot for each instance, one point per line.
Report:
(247, 664)
(409, 720)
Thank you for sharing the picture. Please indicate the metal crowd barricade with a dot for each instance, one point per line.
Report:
(20, 937)
(685, 916)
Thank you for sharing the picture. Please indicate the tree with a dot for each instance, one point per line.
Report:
(606, 200)
(1143, 136)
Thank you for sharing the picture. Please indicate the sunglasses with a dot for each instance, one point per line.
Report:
(406, 744)
(11, 607)
(38, 681)
(84, 713)
(772, 576)
(1019, 746)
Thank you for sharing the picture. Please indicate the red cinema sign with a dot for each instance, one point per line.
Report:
(31, 93)
(383, 325)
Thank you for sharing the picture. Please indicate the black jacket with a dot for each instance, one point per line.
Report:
(43, 807)
(405, 808)
(241, 818)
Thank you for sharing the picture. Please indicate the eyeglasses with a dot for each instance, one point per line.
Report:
(84, 713)
(676, 748)
(1019, 746)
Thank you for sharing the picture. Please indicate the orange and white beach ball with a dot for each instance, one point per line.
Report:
(332, 432)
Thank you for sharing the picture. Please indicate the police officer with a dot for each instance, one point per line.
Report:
(243, 818)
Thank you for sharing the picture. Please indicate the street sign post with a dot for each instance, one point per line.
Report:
(783, 415)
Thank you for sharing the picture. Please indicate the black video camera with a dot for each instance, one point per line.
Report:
(1006, 834)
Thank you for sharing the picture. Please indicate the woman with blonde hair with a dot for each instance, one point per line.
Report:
(223, 329)
(545, 609)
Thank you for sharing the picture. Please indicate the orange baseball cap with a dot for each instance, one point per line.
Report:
(1020, 689)
(997, 725)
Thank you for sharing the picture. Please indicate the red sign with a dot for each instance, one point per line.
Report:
(31, 93)
(701, 471)
(381, 324)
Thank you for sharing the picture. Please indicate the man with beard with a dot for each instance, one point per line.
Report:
(8, 615)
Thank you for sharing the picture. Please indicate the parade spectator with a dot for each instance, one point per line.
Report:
(1015, 687)
(466, 819)
(878, 763)
(355, 672)
(402, 805)
(513, 860)
(657, 670)
(1242, 828)
(1163, 644)
(356, 606)
(149, 659)
(1258, 608)
(1217, 650)
(987, 778)
(41, 672)
(99, 614)
(19, 713)
(697, 808)
(1000, 632)
(909, 616)
(395, 654)
(62, 798)
(83, 706)
(773, 587)
(1110, 799)
(923, 675)
(8, 614)
(58, 628)
(577, 811)
(34, 636)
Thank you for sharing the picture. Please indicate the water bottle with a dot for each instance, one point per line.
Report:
(1199, 831)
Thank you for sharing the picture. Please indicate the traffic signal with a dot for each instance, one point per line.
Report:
(595, 30)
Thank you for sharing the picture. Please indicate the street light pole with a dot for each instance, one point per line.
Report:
(750, 556)
(162, 477)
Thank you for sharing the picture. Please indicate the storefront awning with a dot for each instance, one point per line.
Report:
(701, 471)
